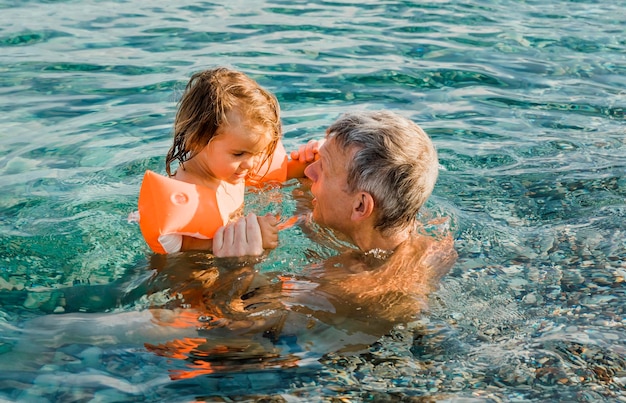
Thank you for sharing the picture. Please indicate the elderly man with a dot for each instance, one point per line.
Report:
(374, 172)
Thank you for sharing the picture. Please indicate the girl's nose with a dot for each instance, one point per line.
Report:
(249, 163)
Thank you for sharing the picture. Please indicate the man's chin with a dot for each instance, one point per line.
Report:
(316, 217)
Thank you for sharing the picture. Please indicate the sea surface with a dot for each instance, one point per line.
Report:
(524, 101)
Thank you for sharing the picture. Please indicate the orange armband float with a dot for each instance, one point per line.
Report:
(169, 209)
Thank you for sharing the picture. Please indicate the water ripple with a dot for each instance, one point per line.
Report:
(524, 100)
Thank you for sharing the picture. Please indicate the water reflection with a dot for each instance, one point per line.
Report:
(247, 320)
(212, 316)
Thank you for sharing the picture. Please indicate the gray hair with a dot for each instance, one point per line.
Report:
(395, 162)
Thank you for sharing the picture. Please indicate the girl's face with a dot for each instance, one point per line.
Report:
(234, 152)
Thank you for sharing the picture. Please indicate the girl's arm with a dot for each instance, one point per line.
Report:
(302, 157)
(191, 243)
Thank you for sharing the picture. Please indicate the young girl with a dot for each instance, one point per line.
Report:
(226, 134)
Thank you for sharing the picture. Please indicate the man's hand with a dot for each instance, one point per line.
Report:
(240, 238)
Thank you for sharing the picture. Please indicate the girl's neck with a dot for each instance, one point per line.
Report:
(189, 174)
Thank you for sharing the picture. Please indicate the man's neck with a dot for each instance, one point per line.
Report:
(370, 240)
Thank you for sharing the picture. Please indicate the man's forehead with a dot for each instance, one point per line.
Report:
(333, 155)
(330, 147)
(328, 150)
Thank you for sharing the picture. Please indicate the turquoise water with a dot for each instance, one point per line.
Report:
(524, 100)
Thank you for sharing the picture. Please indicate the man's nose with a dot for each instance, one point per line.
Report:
(311, 171)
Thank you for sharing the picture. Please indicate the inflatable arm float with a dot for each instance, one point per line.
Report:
(169, 208)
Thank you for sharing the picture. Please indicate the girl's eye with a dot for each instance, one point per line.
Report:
(237, 154)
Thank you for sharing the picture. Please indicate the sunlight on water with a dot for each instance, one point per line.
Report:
(524, 101)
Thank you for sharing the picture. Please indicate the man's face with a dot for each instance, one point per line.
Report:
(332, 204)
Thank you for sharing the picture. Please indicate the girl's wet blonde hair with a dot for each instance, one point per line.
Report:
(208, 97)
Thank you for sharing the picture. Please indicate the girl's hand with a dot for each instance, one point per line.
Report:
(308, 152)
(302, 157)
(269, 231)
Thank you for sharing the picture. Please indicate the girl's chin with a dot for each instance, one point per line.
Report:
(235, 180)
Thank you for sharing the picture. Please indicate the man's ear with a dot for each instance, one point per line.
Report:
(363, 206)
